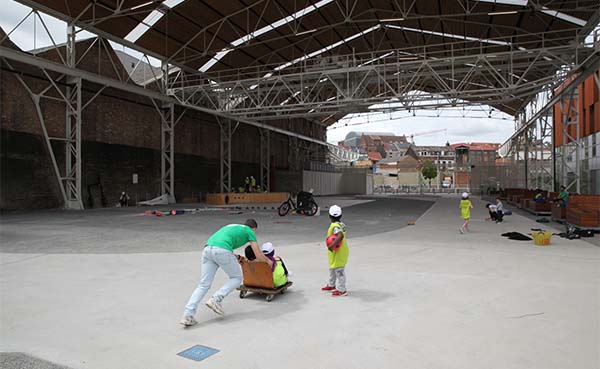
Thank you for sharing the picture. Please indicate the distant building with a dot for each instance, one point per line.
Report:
(372, 141)
(453, 163)
(442, 157)
(470, 155)
(409, 169)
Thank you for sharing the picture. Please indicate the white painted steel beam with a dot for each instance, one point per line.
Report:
(351, 83)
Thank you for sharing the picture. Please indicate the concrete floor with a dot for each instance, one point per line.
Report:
(106, 288)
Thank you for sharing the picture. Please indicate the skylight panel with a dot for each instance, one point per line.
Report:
(327, 48)
(150, 20)
(545, 10)
(375, 59)
(290, 18)
(450, 35)
(563, 16)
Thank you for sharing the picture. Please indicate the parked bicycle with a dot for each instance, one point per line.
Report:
(305, 204)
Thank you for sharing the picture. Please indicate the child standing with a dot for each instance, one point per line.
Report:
(465, 212)
(499, 210)
(338, 256)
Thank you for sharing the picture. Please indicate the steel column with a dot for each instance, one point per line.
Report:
(265, 160)
(72, 178)
(167, 152)
(225, 133)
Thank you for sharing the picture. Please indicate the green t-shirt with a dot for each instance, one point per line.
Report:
(231, 237)
(563, 195)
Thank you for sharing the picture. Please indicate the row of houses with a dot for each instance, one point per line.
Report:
(398, 163)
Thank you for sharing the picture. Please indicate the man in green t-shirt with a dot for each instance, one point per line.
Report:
(563, 197)
(218, 253)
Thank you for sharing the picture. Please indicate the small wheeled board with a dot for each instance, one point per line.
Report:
(270, 293)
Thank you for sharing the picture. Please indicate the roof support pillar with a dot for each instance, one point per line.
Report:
(167, 152)
(226, 132)
(265, 159)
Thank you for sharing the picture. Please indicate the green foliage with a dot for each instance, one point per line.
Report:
(429, 171)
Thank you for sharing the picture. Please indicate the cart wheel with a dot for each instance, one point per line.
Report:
(243, 294)
(283, 291)
(269, 298)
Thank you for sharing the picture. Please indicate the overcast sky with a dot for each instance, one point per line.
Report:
(458, 129)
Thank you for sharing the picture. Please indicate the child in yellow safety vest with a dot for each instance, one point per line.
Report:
(337, 254)
(280, 272)
(465, 212)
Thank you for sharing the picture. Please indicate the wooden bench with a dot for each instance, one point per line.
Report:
(583, 211)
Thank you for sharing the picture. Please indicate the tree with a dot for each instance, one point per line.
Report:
(429, 171)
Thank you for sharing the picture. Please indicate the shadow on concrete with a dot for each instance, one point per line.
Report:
(368, 296)
(291, 301)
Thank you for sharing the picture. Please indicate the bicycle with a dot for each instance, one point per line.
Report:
(309, 206)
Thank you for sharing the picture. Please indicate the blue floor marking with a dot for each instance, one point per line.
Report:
(198, 352)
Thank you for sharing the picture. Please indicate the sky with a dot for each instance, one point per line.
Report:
(459, 125)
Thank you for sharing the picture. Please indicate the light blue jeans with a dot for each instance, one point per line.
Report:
(213, 258)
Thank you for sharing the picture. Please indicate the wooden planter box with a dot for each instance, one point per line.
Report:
(584, 211)
(559, 213)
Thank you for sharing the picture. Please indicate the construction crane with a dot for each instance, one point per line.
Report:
(425, 133)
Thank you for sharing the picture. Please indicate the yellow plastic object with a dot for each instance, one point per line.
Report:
(542, 238)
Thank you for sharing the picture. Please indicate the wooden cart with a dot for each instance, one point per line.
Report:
(258, 278)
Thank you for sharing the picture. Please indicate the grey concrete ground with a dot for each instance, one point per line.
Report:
(18, 360)
(130, 230)
(105, 289)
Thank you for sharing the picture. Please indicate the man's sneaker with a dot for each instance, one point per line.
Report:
(215, 306)
(337, 293)
(187, 321)
(328, 288)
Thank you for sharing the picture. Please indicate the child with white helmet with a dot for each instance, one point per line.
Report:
(337, 253)
(465, 212)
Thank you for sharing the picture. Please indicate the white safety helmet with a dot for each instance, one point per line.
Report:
(267, 248)
(465, 195)
(335, 211)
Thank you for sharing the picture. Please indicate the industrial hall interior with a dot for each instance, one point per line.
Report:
(300, 184)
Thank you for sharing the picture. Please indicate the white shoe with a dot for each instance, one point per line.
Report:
(188, 321)
(461, 230)
(215, 306)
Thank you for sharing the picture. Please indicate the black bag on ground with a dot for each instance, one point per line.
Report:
(585, 233)
(516, 236)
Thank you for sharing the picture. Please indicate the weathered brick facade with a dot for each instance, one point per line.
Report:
(120, 137)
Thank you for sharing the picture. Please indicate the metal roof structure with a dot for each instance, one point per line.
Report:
(274, 59)
(267, 62)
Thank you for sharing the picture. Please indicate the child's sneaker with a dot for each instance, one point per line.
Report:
(188, 321)
(215, 306)
(461, 230)
(328, 288)
(337, 293)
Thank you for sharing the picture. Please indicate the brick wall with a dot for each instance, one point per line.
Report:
(120, 137)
